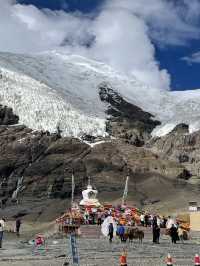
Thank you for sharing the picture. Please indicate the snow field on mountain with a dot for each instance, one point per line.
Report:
(43, 109)
(51, 89)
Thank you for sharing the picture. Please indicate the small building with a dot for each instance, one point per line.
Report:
(193, 206)
(194, 210)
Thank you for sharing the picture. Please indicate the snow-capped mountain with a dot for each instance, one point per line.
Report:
(51, 89)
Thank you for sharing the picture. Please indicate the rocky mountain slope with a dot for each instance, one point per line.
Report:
(68, 114)
(126, 120)
(181, 147)
(36, 168)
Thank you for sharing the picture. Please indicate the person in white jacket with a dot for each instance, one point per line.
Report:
(2, 226)
(142, 219)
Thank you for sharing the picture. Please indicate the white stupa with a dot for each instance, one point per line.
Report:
(89, 197)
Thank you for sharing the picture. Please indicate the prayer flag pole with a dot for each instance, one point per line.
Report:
(125, 194)
(73, 188)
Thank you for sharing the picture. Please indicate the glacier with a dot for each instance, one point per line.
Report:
(54, 89)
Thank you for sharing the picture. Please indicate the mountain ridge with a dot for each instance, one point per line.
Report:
(62, 90)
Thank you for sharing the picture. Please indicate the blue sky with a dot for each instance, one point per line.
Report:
(72, 5)
(183, 75)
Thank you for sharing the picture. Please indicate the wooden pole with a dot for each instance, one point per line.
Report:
(73, 187)
(125, 194)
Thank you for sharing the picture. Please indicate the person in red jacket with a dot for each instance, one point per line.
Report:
(123, 259)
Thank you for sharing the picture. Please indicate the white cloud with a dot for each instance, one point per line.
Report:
(122, 41)
(121, 34)
(170, 22)
(28, 29)
(193, 58)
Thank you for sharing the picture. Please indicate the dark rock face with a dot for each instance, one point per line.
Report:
(181, 129)
(180, 147)
(46, 163)
(7, 117)
(126, 120)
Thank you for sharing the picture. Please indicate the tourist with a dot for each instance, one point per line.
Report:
(142, 219)
(123, 259)
(110, 232)
(120, 232)
(132, 221)
(39, 243)
(2, 225)
(170, 222)
(174, 233)
(164, 221)
(146, 220)
(86, 217)
(92, 218)
(154, 226)
(109, 212)
(158, 221)
(158, 229)
(102, 217)
(151, 220)
(18, 225)
(155, 231)
(181, 234)
(99, 218)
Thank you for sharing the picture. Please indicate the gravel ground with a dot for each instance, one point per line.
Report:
(98, 251)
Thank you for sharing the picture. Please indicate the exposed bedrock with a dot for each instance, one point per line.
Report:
(126, 120)
(39, 165)
(181, 147)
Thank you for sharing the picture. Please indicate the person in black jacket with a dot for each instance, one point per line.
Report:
(174, 233)
(146, 220)
(110, 232)
(18, 224)
(155, 231)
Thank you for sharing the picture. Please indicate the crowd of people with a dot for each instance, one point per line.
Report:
(91, 216)
(170, 226)
(127, 220)
(127, 215)
(173, 228)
